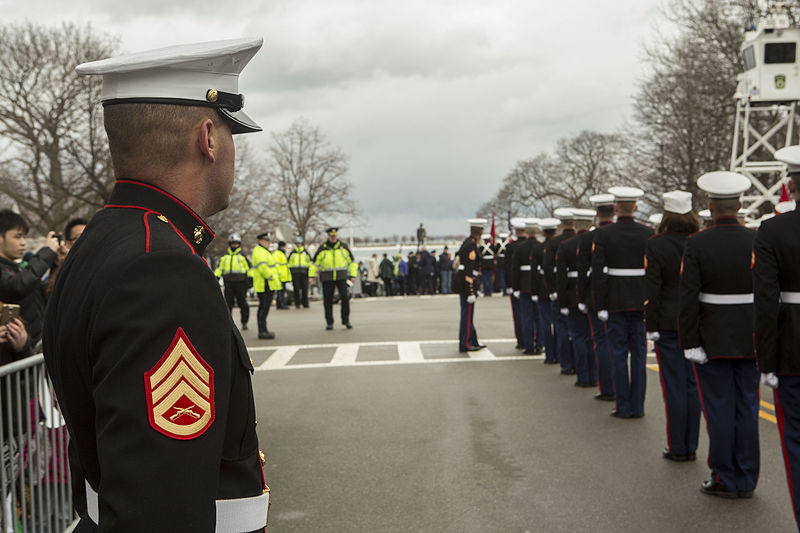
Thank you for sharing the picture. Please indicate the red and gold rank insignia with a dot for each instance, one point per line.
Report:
(180, 391)
(752, 259)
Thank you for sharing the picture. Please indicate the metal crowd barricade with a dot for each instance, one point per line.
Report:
(34, 478)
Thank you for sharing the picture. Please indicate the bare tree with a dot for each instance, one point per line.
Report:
(309, 176)
(55, 161)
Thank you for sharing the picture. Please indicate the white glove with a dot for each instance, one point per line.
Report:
(582, 308)
(603, 315)
(653, 336)
(349, 283)
(516, 295)
(565, 311)
(509, 291)
(535, 298)
(697, 355)
(769, 379)
(471, 299)
(553, 296)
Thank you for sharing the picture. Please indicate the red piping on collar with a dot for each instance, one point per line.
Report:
(174, 199)
(147, 225)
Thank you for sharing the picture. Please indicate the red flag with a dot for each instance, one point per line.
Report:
(493, 232)
(784, 193)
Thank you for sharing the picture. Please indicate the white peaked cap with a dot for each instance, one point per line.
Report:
(503, 235)
(476, 222)
(531, 223)
(791, 156)
(723, 184)
(583, 214)
(679, 202)
(518, 223)
(705, 214)
(549, 223)
(626, 194)
(563, 213)
(599, 200)
(655, 218)
(199, 74)
(785, 207)
(486, 236)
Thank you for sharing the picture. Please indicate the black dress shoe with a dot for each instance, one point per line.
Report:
(585, 385)
(538, 350)
(637, 415)
(672, 456)
(475, 348)
(548, 362)
(617, 414)
(715, 488)
(529, 352)
(568, 371)
(348, 325)
(519, 347)
(605, 397)
(329, 326)
(480, 346)
(266, 335)
(244, 327)
(746, 494)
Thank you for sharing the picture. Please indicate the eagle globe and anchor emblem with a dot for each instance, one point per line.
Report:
(780, 81)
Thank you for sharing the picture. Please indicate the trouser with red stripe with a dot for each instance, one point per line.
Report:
(467, 336)
(602, 354)
(681, 399)
(626, 335)
(787, 408)
(729, 390)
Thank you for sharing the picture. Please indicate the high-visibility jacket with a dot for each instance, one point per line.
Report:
(299, 261)
(264, 273)
(233, 266)
(335, 262)
(282, 265)
(312, 270)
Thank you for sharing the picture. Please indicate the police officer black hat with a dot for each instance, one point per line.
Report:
(332, 231)
(267, 235)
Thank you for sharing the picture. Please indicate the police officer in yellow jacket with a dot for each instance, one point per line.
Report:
(234, 269)
(282, 266)
(265, 282)
(337, 270)
(299, 263)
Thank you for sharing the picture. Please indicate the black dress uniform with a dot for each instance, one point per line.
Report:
(500, 254)
(152, 375)
(522, 276)
(716, 314)
(509, 259)
(467, 281)
(600, 349)
(488, 266)
(618, 288)
(543, 304)
(577, 322)
(681, 398)
(776, 284)
(560, 325)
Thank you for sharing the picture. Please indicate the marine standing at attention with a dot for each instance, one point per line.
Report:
(467, 282)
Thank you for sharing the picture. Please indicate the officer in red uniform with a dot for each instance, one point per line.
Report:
(776, 285)
(151, 374)
(715, 326)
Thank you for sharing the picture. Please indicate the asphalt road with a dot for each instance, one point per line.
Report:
(369, 430)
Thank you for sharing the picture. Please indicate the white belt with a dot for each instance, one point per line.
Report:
(572, 274)
(624, 272)
(726, 299)
(525, 268)
(501, 255)
(790, 297)
(242, 514)
(461, 267)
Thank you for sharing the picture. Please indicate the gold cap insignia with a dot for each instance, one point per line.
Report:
(198, 234)
(163, 219)
(212, 95)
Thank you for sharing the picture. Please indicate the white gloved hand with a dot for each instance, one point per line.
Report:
(471, 299)
(509, 291)
(535, 298)
(582, 308)
(349, 283)
(564, 311)
(769, 379)
(516, 295)
(696, 355)
(653, 336)
(553, 296)
(603, 315)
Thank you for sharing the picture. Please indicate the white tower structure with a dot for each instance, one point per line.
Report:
(766, 104)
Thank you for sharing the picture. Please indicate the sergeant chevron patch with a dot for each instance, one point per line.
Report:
(180, 391)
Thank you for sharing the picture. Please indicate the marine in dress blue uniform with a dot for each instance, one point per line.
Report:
(716, 333)
(518, 224)
(618, 292)
(604, 209)
(560, 325)
(776, 285)
(543, 303)
(567, 284)
(467, 281)
(488, 264)
(678, 383)
(524, 278)
(151, 373)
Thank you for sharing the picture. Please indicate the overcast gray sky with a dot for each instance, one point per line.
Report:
(434, 101)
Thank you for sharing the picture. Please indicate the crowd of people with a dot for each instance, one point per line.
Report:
(590, 286)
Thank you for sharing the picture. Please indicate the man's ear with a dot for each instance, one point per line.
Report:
(207, 140)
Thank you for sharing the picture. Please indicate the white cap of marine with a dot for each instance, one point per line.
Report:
(202, 74)
(549, 223)
(679, 202)
(476, 222)
(705, 214)
(785, 207)
(583, 214)
(655, 218)
(518, 223)
(563, 213)
(723, 184)
(626, 194)
(791, 156)
(532, 223)
(599, 200)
